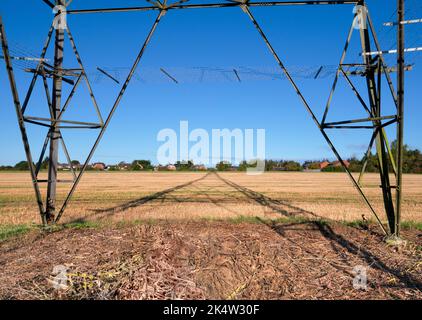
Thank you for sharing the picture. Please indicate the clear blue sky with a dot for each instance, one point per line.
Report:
(303, 36)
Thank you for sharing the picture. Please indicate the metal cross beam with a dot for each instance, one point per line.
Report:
(230, 4)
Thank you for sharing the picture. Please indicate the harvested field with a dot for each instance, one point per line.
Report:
(208, 236)
(179, 196)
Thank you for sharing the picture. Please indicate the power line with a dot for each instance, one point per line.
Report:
(373, 53)
(391, 24)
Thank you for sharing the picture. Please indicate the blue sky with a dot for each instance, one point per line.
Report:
(306, 36)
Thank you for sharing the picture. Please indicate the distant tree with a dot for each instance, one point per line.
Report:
(281, 165)
(355, 165)
(44, 164)
(333, 169)
(76, 164)
(23, 165)
(6, 168)
(292, 166)
(412, 159)
(243, 166)
(270, 164)
(141, 165)
(184, 165)
(312, 165)
(223, 166)
(372, 163)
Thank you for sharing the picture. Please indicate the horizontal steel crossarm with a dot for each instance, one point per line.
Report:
(62, 127)
(350, 127)
(62, 69)
(59, 73)
(353, 65)
(54, 121)
(359, 120)
(48, 74)
(216, 5)
(363, 127)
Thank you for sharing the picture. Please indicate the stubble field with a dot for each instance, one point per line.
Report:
(205, 235)
(181, 196)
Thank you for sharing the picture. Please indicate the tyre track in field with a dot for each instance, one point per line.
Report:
(278, 206)
(265, 201)
(141, 201)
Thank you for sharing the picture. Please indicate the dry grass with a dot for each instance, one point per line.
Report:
(209, 260)
(180, 196)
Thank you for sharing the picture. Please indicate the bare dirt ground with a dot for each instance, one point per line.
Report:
(191, 236)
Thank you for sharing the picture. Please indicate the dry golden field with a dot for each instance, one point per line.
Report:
(208, 236)
(180, 196)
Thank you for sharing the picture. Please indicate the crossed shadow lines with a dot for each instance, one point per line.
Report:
(288, 210)
(339, 244)
(216, 202)
(266, 201)
(161, 195)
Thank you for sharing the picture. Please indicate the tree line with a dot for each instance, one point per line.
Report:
(412, 164)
